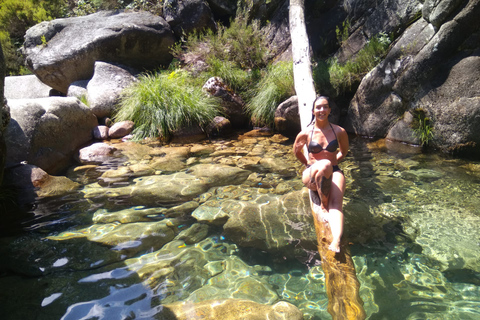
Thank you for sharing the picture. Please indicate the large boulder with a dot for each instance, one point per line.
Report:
(105, 88)
(421, 74)
(137, 39)
(27, 87)
(46, 132)
(188, 16)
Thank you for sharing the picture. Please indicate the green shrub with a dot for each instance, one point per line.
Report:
(276, 86)
(162, 103)
(15, 18)
(243, 43)
(340, 78)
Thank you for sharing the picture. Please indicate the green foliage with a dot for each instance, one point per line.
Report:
(236, 78)
(242, 43)
(342, 33)
(162, 103)
(276, 86)
(341, 77)
(422, 127)
(15, 18)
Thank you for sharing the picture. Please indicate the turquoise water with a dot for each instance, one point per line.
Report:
(112, 250)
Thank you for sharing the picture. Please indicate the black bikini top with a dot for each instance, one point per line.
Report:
(314, 147)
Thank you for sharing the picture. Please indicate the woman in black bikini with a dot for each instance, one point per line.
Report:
(322, 174)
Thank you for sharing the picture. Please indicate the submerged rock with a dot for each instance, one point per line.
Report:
(233, 309)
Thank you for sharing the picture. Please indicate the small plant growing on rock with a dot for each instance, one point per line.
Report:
(422, 127)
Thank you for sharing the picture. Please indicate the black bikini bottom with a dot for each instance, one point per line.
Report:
(336, 168)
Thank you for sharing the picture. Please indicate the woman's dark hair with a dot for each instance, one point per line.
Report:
(313, 105)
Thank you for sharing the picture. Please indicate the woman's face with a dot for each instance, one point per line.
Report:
(321, 109)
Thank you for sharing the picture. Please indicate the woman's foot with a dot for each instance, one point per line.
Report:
(334, 246)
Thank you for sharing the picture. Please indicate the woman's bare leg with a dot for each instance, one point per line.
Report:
(335, 212)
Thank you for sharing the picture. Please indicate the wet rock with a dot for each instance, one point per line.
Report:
(95, 153)
(121, 129)
(35, 182)
(232, 309)
(278, 224)
(196, 233)
(219, 175)
(133, 214)
(130, 237)
(47, 132)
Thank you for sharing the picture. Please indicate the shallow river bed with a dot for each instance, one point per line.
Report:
(158, 225)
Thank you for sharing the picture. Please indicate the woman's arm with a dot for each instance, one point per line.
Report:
(300, 142)
(343, 144)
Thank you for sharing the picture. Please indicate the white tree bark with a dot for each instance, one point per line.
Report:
(302, 69)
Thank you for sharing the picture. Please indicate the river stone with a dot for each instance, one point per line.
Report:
(235, 279)
(133, 214)
(233, 309)
(135, 39)
(95, 153)
(47, 132)
(278, 224)
(33, 182)
(194, 234)
(121, 129)
(100, 133)
(154, 190)
(219, 175)
(175, 188)
(177, 262)
(130, 237)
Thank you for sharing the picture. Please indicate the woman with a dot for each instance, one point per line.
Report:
(327, 144)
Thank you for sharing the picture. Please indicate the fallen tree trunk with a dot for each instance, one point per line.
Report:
(341, 281)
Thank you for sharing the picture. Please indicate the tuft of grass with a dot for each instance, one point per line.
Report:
(422, 127)
(162, 103)
(276, 86)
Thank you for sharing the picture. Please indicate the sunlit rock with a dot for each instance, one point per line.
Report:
(279, 224)
(154, 190)
(121, 129)
(95, 153)
(218, 175)
(233, 309)
(34, 182)
(133, 237)
(133, 214)
(196, 233)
